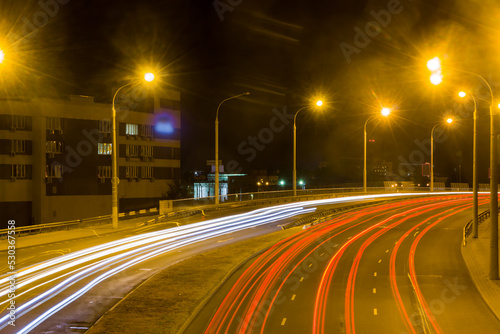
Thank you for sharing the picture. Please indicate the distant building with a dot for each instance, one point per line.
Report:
(382, 168)
(227, 184)
(55, 156)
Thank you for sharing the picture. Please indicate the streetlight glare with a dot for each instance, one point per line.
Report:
(462, 94)
(436, 78)
(449, 120)
(386, 112)
(319, 103)
(434, 64)
(149, 77)
(2, 56)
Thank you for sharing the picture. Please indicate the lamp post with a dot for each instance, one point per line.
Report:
(385, 112)
(449, 121)
(319, 103)
(434, 65)
(475, 224)
(115, 180)
(216, 190)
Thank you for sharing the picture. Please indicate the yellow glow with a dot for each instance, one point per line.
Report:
(462, 94)
(436, 78)
(499, 105)
(258, 183)
(449, 120)
(386, 112)
(434, 64)
(319, 103)
(2, 56)
(149, 77)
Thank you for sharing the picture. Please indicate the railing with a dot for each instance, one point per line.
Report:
(190, 206)
(468, 227)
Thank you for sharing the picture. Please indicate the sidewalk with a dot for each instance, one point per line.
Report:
(88, 231)
(477, 257)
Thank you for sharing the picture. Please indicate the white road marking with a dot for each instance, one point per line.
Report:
(374, 290)
(310, 265)
(416, 233)
(293, 297)
(387, 251)
(301, 279)
(375, 274)
(225, 240)
(379, 260)
(322, 254)
(283, 322)
(374, 311)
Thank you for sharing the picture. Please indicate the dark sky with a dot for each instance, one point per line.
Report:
(286, 53)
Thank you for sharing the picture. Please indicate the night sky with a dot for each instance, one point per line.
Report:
(356, 55)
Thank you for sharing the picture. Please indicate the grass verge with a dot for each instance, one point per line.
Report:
(165, 301)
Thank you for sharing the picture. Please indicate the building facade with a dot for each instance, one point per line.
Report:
(55, 157)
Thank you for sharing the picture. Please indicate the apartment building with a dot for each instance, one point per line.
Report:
(55, 156)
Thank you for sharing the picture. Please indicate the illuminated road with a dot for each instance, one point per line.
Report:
(79, 286)
(392, 269)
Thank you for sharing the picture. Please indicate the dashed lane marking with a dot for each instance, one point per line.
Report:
(293, 297)
(283, 322)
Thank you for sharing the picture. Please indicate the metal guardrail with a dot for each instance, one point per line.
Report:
(468, 227)
(183, 210)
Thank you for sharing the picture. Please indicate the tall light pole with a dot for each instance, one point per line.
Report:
(385, 112)
(115, 180)
(319, 103)
(216, 190)
(475, 224)
(434, 65)
(449, 121)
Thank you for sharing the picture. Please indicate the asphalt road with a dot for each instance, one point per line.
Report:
(65, 287)
(393, 269)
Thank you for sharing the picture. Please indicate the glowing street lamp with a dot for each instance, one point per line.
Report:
(384, 112)
(475, 224)
(448, 121)
(2, 56)
(494, 273)
(319, 103)
(115, 180)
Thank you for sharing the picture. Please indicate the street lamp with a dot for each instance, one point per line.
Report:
(2, 56)
(384, 112)
(216, 190)
(448, 121)
(475, 224)
(319, 103)
(494, 274)
(114, 149)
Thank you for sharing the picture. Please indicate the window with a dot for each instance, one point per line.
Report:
(104, 148)
(18, 171)
(132, 151)
(54, 124)
(132, 130)
(18, 122)
(18, 146)
(104, 172)
(132, 172)
(53, 147)
(54, 171)
(147, 151)
(147, 172)
(105, 126)
(147, 131)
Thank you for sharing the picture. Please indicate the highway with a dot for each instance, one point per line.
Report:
(396, 268)
(65, 287)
